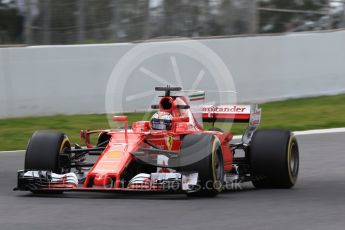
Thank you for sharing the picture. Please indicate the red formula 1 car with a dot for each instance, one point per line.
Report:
(170, 153)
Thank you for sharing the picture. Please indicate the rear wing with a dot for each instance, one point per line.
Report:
(234, 113)
(231, 113)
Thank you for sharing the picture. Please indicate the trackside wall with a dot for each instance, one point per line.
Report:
(47, 80)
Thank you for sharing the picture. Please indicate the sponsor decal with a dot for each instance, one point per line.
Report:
(255, 118)
(114, 154)
(230, 109)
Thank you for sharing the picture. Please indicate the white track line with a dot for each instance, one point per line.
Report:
(297, 133)
(310, 132)
(319, 131)
(12, 151)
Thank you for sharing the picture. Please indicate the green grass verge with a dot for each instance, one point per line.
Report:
(296, 114)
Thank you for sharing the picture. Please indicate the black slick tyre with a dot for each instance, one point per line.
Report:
(45, 151)
(202, 153)
(274, 159)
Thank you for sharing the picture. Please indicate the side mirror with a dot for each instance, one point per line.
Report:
(180, 119)
(82, 135)
(123, 119)
(154, 106)
(120, 118)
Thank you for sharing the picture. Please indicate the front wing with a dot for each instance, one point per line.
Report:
(155, 182)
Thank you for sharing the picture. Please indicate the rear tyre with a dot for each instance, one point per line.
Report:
(46, 151)
(274, 159)
(202, 153)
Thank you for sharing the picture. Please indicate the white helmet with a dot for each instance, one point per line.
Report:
(161, 121)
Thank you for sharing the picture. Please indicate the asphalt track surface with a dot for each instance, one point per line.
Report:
(316, 202)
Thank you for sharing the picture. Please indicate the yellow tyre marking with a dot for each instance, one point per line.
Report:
(214, 175)
(65, 140)
(292, 179)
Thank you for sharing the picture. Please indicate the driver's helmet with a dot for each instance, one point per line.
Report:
(161, 121)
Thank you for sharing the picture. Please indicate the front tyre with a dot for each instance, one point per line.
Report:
(203, 153)
(274, 159)
(46, 152)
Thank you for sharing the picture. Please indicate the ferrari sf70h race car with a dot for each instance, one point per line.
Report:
(170, 153)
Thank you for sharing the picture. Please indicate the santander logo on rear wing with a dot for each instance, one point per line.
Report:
(230, 113)
(234, 113)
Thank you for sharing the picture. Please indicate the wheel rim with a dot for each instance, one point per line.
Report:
(218, 166)
(294, 159)
(63, 149)
(218, 170)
